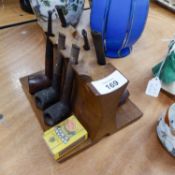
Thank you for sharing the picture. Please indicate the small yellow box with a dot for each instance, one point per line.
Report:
(65, 136)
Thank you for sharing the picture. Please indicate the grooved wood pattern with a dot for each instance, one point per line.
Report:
(134, 150)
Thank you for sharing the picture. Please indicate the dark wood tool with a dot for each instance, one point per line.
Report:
(62, 109)
(41, 81)
(49, 96)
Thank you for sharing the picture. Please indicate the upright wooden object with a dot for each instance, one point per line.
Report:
(99, 113)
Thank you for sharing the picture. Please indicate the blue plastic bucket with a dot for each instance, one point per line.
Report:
(121, 24)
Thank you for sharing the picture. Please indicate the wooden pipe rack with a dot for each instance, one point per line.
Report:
(99, 113)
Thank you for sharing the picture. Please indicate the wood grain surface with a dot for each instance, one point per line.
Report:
(11, 13)
(134, 150)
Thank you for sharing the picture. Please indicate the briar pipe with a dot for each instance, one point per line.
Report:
(100, 54)
(62, 109)
(86, 41)
(124, 98)
(41, 81)
(99, 47)
(61, 16)
(49, 96)
(49, 27)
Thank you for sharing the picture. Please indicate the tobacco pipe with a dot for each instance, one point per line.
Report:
(86, 41)
(41, 81)
(100, 53)
(62, 109)
(48, 96)
(124, 98)
(49, 27)
(99, 47)
(61, 16)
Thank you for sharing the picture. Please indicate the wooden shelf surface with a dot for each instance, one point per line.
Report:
(12, 14)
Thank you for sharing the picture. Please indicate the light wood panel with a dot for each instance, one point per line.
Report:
(134, 150)
(11, 13)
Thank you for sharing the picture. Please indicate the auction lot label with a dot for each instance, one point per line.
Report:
(110, 83)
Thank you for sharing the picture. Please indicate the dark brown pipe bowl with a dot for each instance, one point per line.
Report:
(38, 82)
(56, 113)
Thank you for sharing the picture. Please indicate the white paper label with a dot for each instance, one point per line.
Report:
(110, 83)
(154, 87)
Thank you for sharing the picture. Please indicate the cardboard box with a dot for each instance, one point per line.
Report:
(65, 136)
